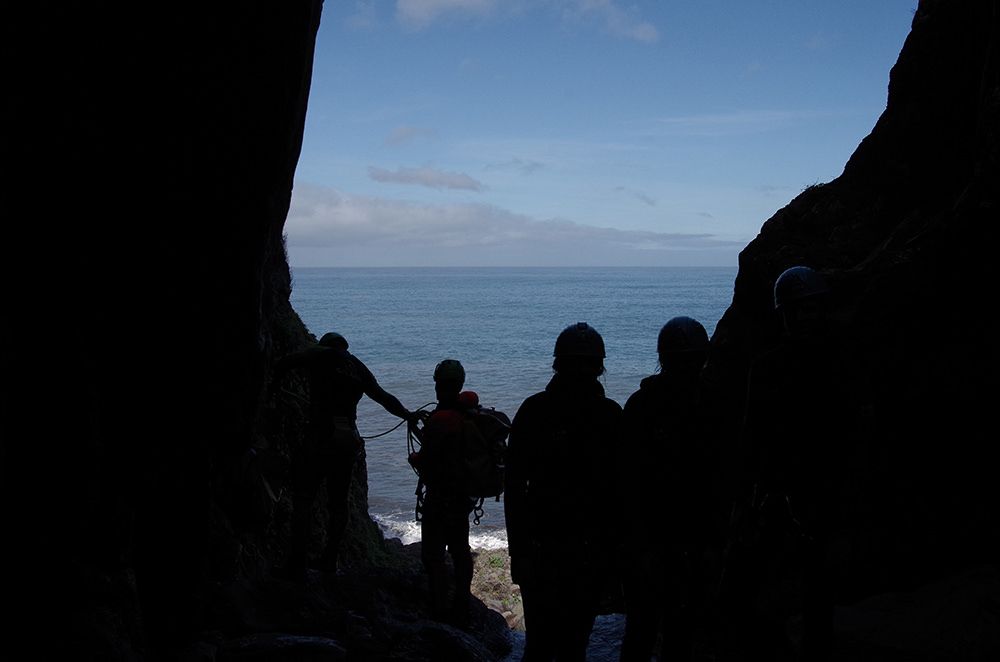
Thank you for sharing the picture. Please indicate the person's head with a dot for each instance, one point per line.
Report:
(682, 344)
(579, 351)
(333, 340)
(449, 377)
(800, 295)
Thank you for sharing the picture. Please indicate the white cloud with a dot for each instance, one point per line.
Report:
(425, 176)
(638, 195)
(617, 21)
(734, 123)
(402, 134)
(818, 42)
(418, 14)
(363, 230)
(525, 167)
(364, 16)
(770, 189)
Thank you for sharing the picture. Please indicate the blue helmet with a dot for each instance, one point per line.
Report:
(449, 371)
(797, 283)
(579, 339)
(334, 340)
(682, 334)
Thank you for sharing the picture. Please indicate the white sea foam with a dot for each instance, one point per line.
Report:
(402, 526)
(395, 527)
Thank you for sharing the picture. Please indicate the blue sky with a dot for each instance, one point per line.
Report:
(578, 132)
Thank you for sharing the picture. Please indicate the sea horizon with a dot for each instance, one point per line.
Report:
(501, 323)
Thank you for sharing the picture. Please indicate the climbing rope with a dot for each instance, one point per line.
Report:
(412, 440)
(409, 433)
(412, 446)
(382, 434)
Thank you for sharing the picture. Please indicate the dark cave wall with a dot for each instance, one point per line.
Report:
(151, 153)
(906, 235)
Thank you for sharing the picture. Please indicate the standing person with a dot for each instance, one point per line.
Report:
(562, 505)
(337, 380)
(801, 433)
(670, 474)
(446, 505)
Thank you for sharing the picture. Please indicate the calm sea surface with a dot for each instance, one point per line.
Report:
(501, 323)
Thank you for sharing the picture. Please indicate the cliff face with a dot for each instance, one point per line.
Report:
(905, 235)
(151, 153)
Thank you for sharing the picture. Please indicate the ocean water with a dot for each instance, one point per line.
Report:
(501, 323)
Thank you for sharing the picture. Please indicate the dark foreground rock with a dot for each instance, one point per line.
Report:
(371, 613)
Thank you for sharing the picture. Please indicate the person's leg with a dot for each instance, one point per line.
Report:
(817, 604)
(677, 616)
(340, 469)
(305, 483)
(576, 622)
(642, 609)
(432, 551)
(641, 621)
(558, 618)
(461, 556)
(540, 611)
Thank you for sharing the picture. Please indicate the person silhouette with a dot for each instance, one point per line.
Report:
(562, 502)
(337, 380)
(803, 426)
(670, 470)
(445, 508)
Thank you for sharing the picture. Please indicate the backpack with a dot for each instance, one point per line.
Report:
(484, 450)
(482, 454)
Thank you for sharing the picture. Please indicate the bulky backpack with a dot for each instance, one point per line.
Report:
(481, 454)
(484, 450)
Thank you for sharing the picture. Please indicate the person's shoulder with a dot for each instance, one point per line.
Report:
(611, 406)
(531, 404)
(359, 366)
(635, 401)
(536, 399)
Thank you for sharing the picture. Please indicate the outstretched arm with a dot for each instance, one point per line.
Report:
(390, 403)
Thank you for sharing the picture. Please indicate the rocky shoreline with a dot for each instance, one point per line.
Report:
(492, 584)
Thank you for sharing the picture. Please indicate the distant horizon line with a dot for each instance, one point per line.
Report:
(520, 266)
